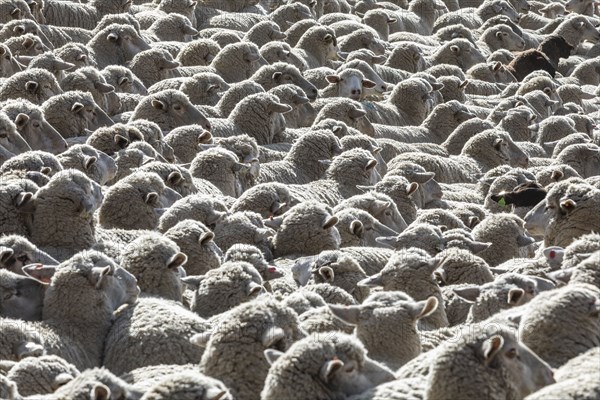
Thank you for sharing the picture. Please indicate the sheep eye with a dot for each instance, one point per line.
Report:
(7, 57)
(23, 258)
(350, 369)
(3, 135)
(8, 296)
(177, 107)
(36, 124)
(512, 353)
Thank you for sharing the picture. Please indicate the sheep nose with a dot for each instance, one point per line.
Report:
(356, 91)
(207, 126)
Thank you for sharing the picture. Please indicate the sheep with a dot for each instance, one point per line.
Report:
(77, 54)
(99, 287)
(397, 110)
(135, 202)
(97, 165)
(340, 270)
(153, 65)
(347, 111)
(583, 158)
(116, 44)
(17, 251)
(50, 62)
(41, 375)
(114, 138)
(420, 17)
(221, 168)
(508, 290)
(254, 256)
(33, 161)
(14, 10)
(173, 27)
(188, 386)
(100, 383)
(301, 165)
(71, 113)
(10, 138)
(382, 313)
(302, 114)
(399, 274)
(459, 52)
(418, 234)
(89, 79)
(155, 261)
(35, 85)
(169, 109)
(317, 370)
(186, 141)
(270, 76)
(506, 245)
(264, 106)
(407, 56)
(123, 80)
(476, 17)
(437, 126)
(82, 16)
(205, 209)
(16, 197)
(474, 160)
(268, 199)
(501, 36)
(317, 45)
(22, 296)
(199, 52)
(204, 88)
(27, 45)
(234, 63)
(276, 51)
(537, 330)
(174, 176)
(317, 227)
(167, 324)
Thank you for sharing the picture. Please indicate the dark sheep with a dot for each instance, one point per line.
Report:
(527, 194)
(545, 57)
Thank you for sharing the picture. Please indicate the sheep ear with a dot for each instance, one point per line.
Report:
(200, 339)
(379, 206)
(253, 288)
(280, 108)
(368, 83)
(214, 393)
(27, 43)
(99, 273)
(424, 308)
(568, 205)
(370, 165)
(454, 49)
(193, 282)
(100, 392)
(177, 261)
(473, 222)
(175, 178)
(61, 380)
(330, 223)
(356, 227)
(88, 161)
(469, 293)
(478, 247)
(151, 198)
(6, 366)
(112, 37)
(391, 21)
(347, 314)
(327, 274)
(158, 104)
(40, 272)
(272, 355)
(276, 75)
(31, 86)
(76, 107)
(514, 296)
(329, 368)
(498, 65)
(372, 281)
(498, 35)
(497, 143)
(272, 335)
(491, 348)
(24, 202)
(412, 188)
(332, 78)
(463, 84)
(122, 80)
(6, 254)
(556, 175)
(328, 38)
(273, 223)
(16, 13)
(21, 120)
(121, 141)
(28, 349)
(206, 237)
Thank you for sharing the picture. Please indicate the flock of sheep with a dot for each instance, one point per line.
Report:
(301, 200)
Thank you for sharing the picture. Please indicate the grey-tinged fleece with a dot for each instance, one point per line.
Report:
(234, 351)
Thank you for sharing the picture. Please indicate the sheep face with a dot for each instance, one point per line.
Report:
(424, 236)
(291, 75)
(351, 83)
(20, 297)
(8, 64)
(10, 139)
(16, 252)
(508, 39)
